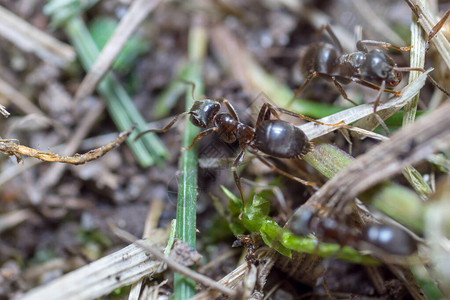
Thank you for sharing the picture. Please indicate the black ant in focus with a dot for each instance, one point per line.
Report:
(374, 69)
(276, 138)
(391, 240)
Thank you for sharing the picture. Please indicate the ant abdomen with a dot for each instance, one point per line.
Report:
(390, 239)
(320, 57)
(281, 139)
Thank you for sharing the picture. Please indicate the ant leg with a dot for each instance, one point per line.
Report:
(335, 40)
(274, 109)
(375, 105)
(167, 127)
(436, 29)
(437, 85)
(380, 91)
(407, 69)
(229, 106)
(374, 86)
(327, 290)
(342, 91)
(361, 45)
(199, 137)
(300, 89)
(286, 174)
(237, 180)
(265, 112)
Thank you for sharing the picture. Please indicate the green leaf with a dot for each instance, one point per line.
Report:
(271, 233)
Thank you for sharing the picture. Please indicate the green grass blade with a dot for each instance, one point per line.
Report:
(187, 189)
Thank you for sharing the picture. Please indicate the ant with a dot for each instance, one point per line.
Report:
(389, 239)
(276, 138)
(248, 242)
(374, 69)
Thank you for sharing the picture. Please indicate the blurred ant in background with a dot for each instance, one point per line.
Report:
(249, 242)
(391, 240)
(374, 69)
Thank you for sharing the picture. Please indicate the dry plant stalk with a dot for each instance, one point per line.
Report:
(174, 265)
(10, 147)
(30, 39)
(104, 275)
(138, 11)
(3, 111)
(408, 146)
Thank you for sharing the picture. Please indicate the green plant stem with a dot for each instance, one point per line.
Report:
(187, 191)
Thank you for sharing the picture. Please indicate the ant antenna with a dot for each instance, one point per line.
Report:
(434, 82)
(191, 83)
(168, 126)
(437, 85)
(436, 29)
(431, 35)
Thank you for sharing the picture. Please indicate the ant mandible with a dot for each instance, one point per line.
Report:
(276, 138)
(374, 69)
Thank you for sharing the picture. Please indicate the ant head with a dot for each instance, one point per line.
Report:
(380, 67)
(203, 112)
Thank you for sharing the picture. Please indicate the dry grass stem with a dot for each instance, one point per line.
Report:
(14, 218)
(31, 39)
(10, 95)
(376, 22)
(313, 130)
(409, 145)
(10, 147)
(3, 111)
(138, 11)
(103, 276)
(174, 265)
(427, 20)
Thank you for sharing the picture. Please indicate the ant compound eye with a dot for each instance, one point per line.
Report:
(383, 73)
(195, 121)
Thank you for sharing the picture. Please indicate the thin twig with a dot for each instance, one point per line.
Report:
(31, 39)
(409, 145)
(172, 264)
(10, 147)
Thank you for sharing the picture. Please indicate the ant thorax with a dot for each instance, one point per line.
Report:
(349, 65)
(226, 127)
